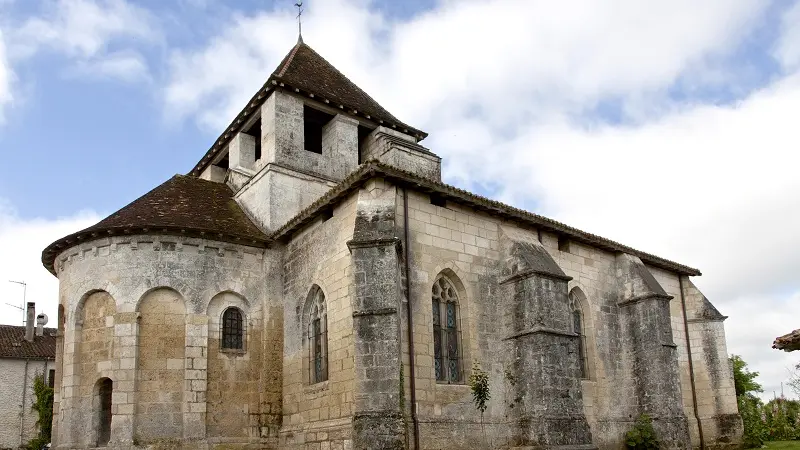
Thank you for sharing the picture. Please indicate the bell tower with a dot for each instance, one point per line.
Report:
(306, 129)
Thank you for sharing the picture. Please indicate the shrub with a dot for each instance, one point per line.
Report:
(44, 409)
(755, 430)
(642, 436)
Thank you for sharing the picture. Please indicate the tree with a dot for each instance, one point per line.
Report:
(743, 379)
(794, 380)
(479, 383)
(755, 430)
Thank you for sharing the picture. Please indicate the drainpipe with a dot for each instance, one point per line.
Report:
(691, 365)
(22, 412)
(411, 363)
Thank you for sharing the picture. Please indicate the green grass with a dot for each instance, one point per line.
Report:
(788, 445)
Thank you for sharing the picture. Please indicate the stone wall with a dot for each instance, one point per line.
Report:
(162, 287)
(283, 140)
(160, 366)
(276, 194)
(94, 356)
(233, 375)
(318, 257)
(466, 244)
(18, 423)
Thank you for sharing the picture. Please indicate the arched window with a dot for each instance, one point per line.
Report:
(317, 337)
(579, 327)
(105, 388)
(232, 329)
(446, 332)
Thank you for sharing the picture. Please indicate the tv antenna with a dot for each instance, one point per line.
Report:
(24, 294)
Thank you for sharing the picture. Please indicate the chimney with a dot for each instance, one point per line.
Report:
(41, 320)
(30, 318)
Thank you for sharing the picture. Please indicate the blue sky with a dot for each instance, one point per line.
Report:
(666, 125)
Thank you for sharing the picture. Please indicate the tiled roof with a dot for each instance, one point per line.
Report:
(374, 168)
(14, 345)
(304, 71)
(182, 205)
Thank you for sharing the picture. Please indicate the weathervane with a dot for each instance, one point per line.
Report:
(299, 6)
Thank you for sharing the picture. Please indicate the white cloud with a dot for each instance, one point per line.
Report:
(6, 78)
(124, 66)
(22, 241)
(99, 37)
(557, 56)
(787, 48)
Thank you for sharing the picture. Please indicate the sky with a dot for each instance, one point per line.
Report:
(670, 126)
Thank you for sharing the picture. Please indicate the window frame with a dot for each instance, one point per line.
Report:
(317, 337)
(445, 333)
(578, 323)
(240, 333)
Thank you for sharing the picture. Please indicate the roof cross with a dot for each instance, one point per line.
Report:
(299, 6)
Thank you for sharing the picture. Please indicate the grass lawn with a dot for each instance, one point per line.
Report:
(784, 445)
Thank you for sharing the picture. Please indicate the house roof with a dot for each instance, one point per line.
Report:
(373, 168)
(182, 205)
(14, 345)
(304, 71)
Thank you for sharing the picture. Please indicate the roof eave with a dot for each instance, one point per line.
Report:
(374, 168)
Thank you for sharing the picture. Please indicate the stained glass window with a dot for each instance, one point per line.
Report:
(317, 338)
(446, 332)
(578, 328)
(232, 329)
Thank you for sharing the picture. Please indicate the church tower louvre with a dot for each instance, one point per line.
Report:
(303, 132)
(311, 284)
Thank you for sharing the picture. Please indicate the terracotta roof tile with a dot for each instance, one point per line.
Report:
(305, 69)
(181, 205)
(374, 168)
(14, 345)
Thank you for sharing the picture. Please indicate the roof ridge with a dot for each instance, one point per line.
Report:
(373, 167)
(291, 58)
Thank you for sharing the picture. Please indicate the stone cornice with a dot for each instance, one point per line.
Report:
(531, 272)
(644, 297)
(369, 243)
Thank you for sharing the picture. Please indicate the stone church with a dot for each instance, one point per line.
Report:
(311, 283)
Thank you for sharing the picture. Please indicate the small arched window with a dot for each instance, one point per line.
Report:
(232, 329)
(579, 328)
(318, 337)
(446, 332)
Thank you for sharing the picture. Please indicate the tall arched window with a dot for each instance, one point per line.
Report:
(317, 337)
(104, 389)
(579, 327)
(232, 329)
(446, 332)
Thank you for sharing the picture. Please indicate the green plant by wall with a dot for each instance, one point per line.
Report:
(755, 431)
(642, 436)
(479, 384)
(43, 405)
